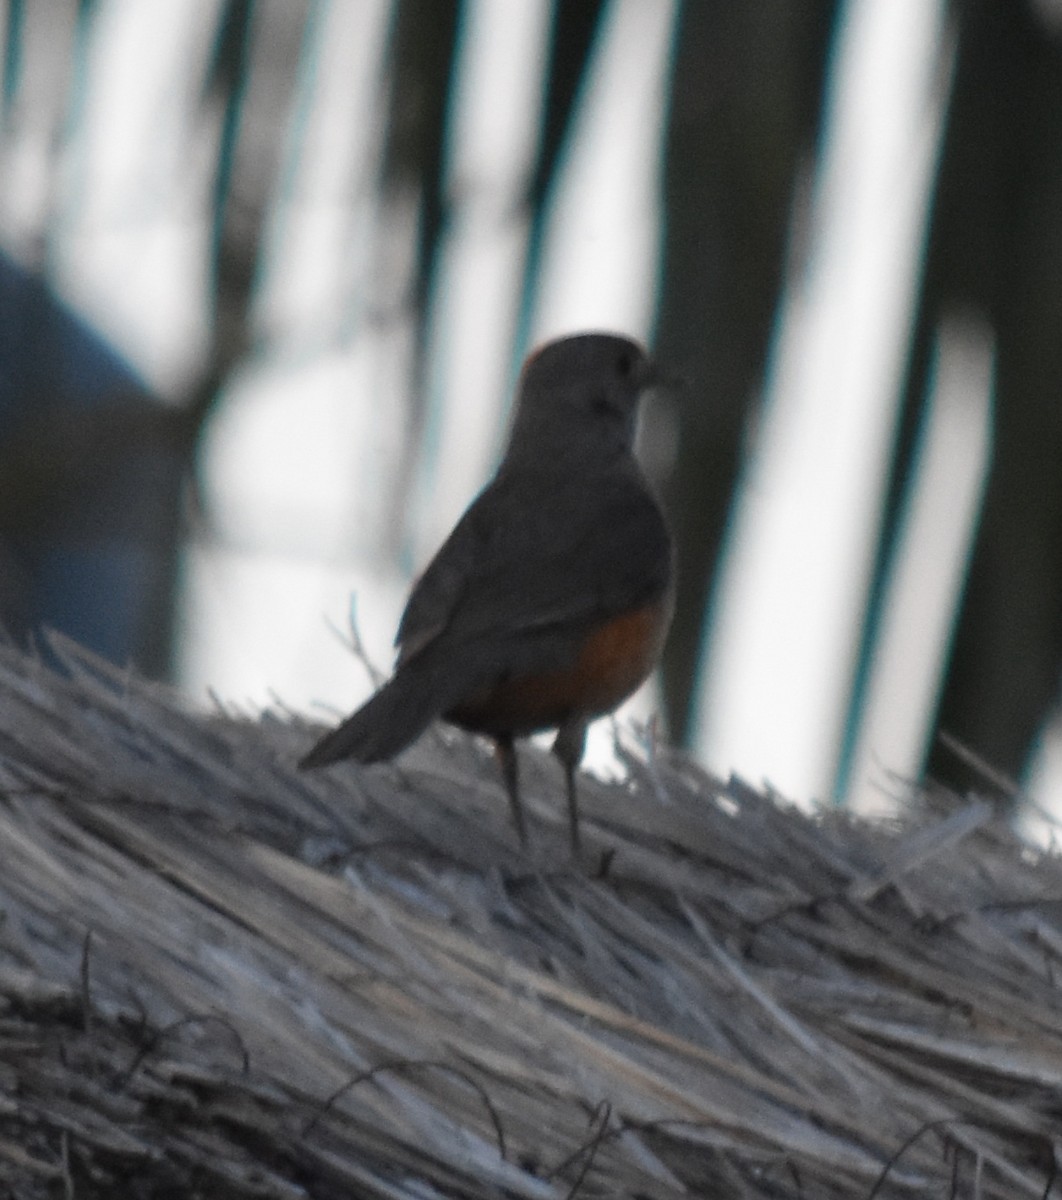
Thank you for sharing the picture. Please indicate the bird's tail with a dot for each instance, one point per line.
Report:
(388, 722)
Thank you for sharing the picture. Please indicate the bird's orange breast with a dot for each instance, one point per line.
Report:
(613, 660)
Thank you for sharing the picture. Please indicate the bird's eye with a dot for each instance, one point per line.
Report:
(625, 364)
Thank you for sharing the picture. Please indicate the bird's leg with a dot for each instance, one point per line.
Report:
(568, 747)
(506, 754)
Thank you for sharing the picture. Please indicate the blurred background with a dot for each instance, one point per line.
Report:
(268, 269)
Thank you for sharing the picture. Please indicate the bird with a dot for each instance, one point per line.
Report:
(550, 601)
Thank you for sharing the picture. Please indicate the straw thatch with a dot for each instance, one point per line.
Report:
(223, 978)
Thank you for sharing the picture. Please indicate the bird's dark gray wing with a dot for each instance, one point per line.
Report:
(550, 569)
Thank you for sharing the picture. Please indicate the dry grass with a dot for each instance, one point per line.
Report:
(222, 978)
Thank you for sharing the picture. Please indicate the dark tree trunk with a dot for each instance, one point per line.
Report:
(996, 248)
(744, 113)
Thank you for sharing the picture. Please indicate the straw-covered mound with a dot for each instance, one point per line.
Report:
(223, 978)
